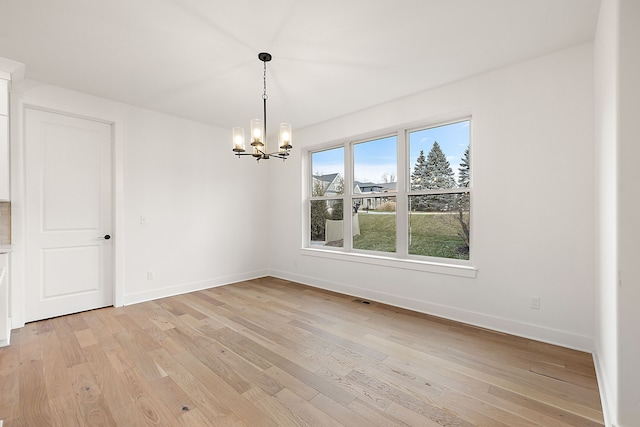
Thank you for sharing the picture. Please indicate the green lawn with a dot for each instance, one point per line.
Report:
(431, 234)
(377, 232)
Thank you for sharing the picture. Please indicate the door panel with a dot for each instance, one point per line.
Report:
(68, 211)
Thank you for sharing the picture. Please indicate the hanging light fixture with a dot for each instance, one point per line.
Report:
(258, 129)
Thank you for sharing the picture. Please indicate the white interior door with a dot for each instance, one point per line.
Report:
(68, 189)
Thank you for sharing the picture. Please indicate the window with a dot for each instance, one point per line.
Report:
(408, 193)
(439, 194)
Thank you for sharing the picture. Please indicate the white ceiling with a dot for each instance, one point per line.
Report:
(198, 58)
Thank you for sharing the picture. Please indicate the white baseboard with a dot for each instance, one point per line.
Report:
(184, 288)
(496, 323)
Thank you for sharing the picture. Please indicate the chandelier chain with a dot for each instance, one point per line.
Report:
(264, 80)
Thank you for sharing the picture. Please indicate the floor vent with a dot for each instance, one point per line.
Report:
(362, 301)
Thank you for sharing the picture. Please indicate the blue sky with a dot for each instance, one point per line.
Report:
(375, 158)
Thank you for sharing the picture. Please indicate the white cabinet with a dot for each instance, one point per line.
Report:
(5, 328)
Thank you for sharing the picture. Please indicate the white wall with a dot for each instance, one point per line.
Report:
(628, 394)
(617, 65)
(201, 203)
(629, 215)
(606, 107)
(532, 149)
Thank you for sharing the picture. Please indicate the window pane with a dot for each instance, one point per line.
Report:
(375, 166)
(439, 225)
(327, 168)
(374, 223)
(375, 169)
(439, 157)
(327, 223)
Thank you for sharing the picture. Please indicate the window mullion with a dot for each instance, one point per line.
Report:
(347, 206)
(402, 180)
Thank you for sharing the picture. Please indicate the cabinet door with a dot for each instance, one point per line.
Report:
(4, 157)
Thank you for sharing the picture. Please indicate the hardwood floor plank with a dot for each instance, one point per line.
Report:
(549, 410)
(306, 411)
(292, 383)
(281, 413)
(137, 355)
(233, 341)
(206, 399)
(229, 397)
(376, 416)
(339, 412)
(561, 373)
(146, 401)
(110, 382)
(408, 416)
(34, 400)
(89, 399)
(207, 354)
(85, 337)
(350, 344)
(179, 308)
(57, 379)
(197, 418)
(69, 345)
(310, 378)
(420, 406)
(269, 352)
(174, 398)
(65, 411)
(30, 345)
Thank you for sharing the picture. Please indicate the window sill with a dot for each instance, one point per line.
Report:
(406, 264)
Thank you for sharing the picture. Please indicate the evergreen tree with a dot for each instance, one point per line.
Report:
(463, 170)
(462, 201)
(419, 174)
(438, 169)
(419, 182)
(432, 172)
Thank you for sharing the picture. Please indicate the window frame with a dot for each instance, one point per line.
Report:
(401, 257)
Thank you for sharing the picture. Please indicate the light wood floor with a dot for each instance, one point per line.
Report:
(268, 352)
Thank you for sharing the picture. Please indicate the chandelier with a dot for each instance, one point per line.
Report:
(258, 129)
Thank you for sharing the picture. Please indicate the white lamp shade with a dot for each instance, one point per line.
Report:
(257, 137)
(238, 139)
(285, 136)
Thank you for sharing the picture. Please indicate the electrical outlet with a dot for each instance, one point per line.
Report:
(143, 219)
(534, 303)
(150, 275)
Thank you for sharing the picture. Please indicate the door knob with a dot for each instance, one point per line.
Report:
(106, 237)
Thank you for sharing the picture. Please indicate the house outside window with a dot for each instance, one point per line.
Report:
(409, 194)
